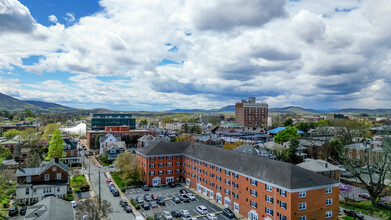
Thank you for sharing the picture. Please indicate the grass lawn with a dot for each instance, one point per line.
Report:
(348, 218)
(77, 180)
(367, 209)
(106, 164)
(117, 179)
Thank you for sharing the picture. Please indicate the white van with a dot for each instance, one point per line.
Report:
(202, 209)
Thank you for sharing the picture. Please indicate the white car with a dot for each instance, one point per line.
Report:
(185, 213)
(211, 216)
(167, 215)
(202, 209)
(73, 203)
(191, 196)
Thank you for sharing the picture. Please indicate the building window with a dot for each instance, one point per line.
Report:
(152, 173)
(236, 185)
(329, 214)
(268, 187)
(329, 190)
(152, 158)
(160, 172)
(199, 162)
(205, 181)
(236, 176)
(253, 192)
(54, 168)
(169, 164)
(302, 206)
(205, 165)
(253, 204)
(218, 187)
(269, 211)
(161, 158)
(227, 173)
(199, 178)
(152, 165)
(212, 167)
(283, 205)
(236, 196)
(282, 217)
(47, 177)
(28, 179)
(178, 171)
(161, 165)
(205, 172)
(218, 169)
(143, 164)
(199, 170)
(169, 171)
(178, 157)
(227, 191)
(169, 157)
(283, 193)
(303, 217)
(269, 199)
(253, 182)
(58, 176)
(302, 194)
(27, 191)
(329, 201)
(211, 184)
(178, 163)
(218, 178)
(192, 175)
(58, 189)
(227, 182)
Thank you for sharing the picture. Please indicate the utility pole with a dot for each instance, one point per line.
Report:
(89, 169)
(99, 192)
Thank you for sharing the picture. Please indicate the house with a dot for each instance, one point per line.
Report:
(11, 143)
(113, 149)
(254, 150)
(322, 167)
(108, 138)
(72, 154)
(209, 140)
(148, 140)
(35, 184)
(49, 208)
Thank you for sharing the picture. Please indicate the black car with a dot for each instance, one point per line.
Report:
(145, 188)
(13, 211)
(147, 198)
(23, 210)
(184, 198)
(227, 212)
(172, 185)
(146, 206)
(354, 214)
(176, 214)
(115, 192)
(176, 199)
(128, 209)
(183, 191)
(160, 201)
(123, 203)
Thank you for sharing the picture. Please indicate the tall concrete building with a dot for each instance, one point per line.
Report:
(249, 113)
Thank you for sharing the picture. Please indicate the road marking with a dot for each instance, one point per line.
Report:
(212, 209)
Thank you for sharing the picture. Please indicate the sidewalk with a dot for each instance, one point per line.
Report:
(239, 216)
(135, 212)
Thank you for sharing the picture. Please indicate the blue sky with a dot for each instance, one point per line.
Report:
(145, 55)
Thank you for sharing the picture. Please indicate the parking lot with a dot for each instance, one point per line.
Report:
(168, 193)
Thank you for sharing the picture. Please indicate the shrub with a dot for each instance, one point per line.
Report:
(134, 202)
(84, 187)
(150, 218)
(137, 206)
(76, 190)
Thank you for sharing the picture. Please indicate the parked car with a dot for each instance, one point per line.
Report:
(128, 209)
(123, 203)
(154, 196)
(184, 198)
(160, 201)
(145, 188)
(183, 191)
(139, 199)
(227, 212)
(115, 193)
(112, 188)
(176, 214)
(185, 213)
(167, 215)
(354, 214)
(147, 198)
(176, 199)
(73, 204)
(202, 209)
(153, 204)
(364, 195)
(191, 196)
(146, 206)
(23, 210)
(13, 211)
(211, 216)
(108, 181)
(172, 185)
(346, 174)
(111, 166)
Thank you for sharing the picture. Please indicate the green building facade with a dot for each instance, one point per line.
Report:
(98, 122)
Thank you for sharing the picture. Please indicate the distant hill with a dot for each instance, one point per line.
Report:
(12, 104)
(294, 109)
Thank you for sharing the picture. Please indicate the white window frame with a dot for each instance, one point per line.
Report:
(269, 199)
(329, 190)
(58, 176)
(283, 205)
(329, 201)
(329, 214)
(304, 217)
(302, 194)
(302, 206)
(269, 187)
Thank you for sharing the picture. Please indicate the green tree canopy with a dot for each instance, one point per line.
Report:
(49, 129)
(97, 143)
(5, 153)
(286, 134)
(288, 122)
(56, 146)
(30, 137)
(11, 133)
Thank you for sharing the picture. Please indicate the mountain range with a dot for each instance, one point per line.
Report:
(12, 104)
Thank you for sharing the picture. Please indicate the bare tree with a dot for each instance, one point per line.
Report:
(372, 167)
(90, 208)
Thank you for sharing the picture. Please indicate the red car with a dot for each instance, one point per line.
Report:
(364, 195)
(108, 180)
(154, 196)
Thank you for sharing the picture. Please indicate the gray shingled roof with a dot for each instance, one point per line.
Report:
(249, 149)
(38, 170)
(276, 172)
(50, 208)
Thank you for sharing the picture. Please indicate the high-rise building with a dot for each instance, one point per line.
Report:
(249, 113)
(100, 121)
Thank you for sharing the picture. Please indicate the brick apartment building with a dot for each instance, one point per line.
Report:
(255, 187)
(251, 114)
(117, 131)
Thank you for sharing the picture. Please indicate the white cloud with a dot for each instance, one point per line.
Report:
(53, 18)
(70, 18)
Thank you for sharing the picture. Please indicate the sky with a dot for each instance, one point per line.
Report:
(159, 55)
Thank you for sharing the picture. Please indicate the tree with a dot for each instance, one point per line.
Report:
(286, 134)
(11, 134)
(344, 191)
(144, 122)
(196, 130)
(128, 166)
(288, 122)
(231, 146)
(30, 137)
(97, 141)
(90, 207)
(167, 120)
(56, 146)
(29, 113)
(49, 129)
(5, 153)
(372, 167)
(292, 156)
(337, 150)
(34, 157)
(184, 138)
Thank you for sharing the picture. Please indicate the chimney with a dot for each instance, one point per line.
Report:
(56, 159)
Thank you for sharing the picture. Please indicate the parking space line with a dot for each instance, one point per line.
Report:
(212, 209)
(224, 216)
